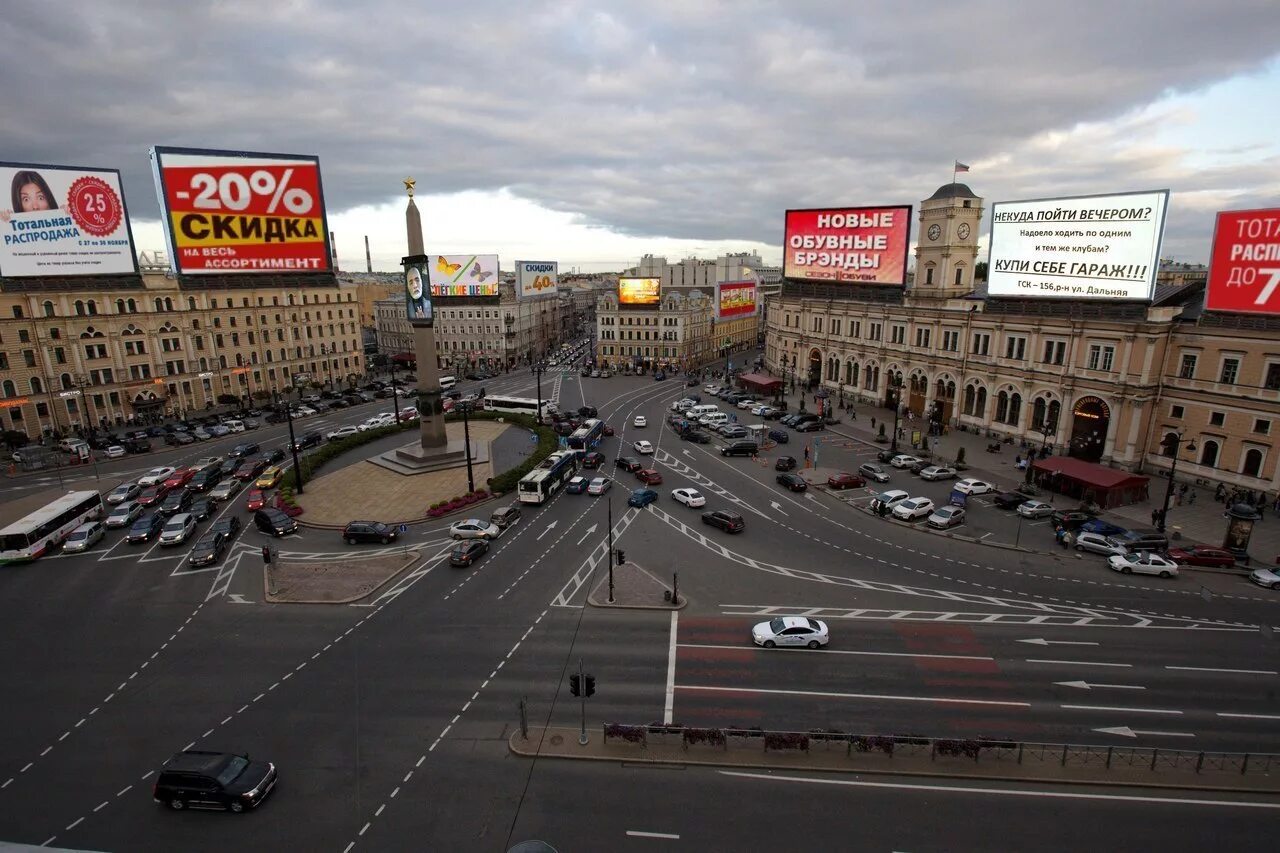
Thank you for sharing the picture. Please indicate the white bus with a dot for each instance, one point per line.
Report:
(542, 482)
(519, 406)
(31, 537)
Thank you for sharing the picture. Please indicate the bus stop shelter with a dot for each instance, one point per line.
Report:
(1089, 481)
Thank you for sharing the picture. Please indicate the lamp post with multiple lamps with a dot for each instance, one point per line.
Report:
(895, 385)
(1046, 429)
(1172, 444)
(293, 442)
(538, 370)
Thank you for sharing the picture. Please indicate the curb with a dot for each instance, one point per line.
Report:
(927, 529)
(423, 520)
(266, 597)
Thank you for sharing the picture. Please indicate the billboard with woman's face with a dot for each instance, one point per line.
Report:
(417, 295)
(63, 220)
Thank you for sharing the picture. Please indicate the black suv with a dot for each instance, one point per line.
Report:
(200, 779)
(209, 549)
(274, 522)
(205, 479)
(368, 531)
(311, 439)
(228, 525)
(242, 450)
(146, 528)
(740, 448)
(176, 502)
(588, 411)
(729, 522)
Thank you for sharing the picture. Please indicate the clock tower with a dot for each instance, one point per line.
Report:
(947, 243)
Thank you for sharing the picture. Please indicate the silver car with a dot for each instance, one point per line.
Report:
(872, 471)
(1096, 543)
(124, 492)
(178, 529)
(124, 514)
(83, 537)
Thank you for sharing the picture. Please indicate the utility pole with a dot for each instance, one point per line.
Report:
(609, 503)
(293, 442)
(466, 434)
(582, 681)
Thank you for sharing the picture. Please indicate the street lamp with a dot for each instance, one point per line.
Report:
(293, 442)
(466, 435)
(395, 398)
(537, 372)
(1046, 429)
(895, 385)
(1172, 444)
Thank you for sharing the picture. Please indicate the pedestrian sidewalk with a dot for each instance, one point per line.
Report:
(1201, 522)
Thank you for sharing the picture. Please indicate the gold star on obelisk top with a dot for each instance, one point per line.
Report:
(409, 184)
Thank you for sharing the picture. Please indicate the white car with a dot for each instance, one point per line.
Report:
(158, 475)
(903, 460)
(639, 421)
(1034, 509)
(115, 451)
(643, 447)
(306, 410)
(1099, 544)
(409, 414)
(1145, 563)
(711, 388)
(889, 499)
(225, 489)
(124, 514)
(598, 486)
(913, 508)
(747, 404)
(83, 537)
(178, 529)
(970, 486)
(761, 411)
(373, 423)
(123, 492)
(1265, 577)
(689, 497)
(791, 631)
(342, 432)
(474, 528)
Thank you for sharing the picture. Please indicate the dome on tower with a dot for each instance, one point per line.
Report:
(952, 190)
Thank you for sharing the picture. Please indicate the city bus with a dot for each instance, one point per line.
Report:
(542, 482)
(519, 406)
(31, 537)
(587, 436)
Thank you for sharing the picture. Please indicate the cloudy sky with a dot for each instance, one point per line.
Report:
(594, 132)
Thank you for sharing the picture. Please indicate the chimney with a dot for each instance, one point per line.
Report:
(368, 258)
(333, 247)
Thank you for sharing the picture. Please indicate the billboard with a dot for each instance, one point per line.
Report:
(1244, 267)
(638, 291)
(1082, 247)
(63, 220)
(417, 293)
(866, 245)
(241, 212)
(735, 299)
(464, 275)
(536, 278)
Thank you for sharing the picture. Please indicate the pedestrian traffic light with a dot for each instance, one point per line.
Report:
(590, 685)
(574, 687)
(266, 555)
(622, 556)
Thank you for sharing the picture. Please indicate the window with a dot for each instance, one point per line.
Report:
(898, 334)
(1177, 412)
(1262, 426)
(817, 323)
(1217, 419)
(59, 355)
(139, 371)
(835, 326)
(1230, 371)
(928, 274)
(981, 343)
(1015, 348)
(1101, 356)
(1272, 382)
(874, 332)
(29, 357)
(4, 361)
(1055, 352)
(1252, 465)
(17, 312)
(1187, 370)
(1209, 453)
(922, 338)
(48, 309)
(24, 336)
(36, 386)
(135, 347)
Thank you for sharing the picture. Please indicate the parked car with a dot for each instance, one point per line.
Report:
(889, 500)
(740, 447)
(83, 537)
(1010, 500)
(599, 485)
(576, 485)
(810, 426)
(123, 515)
(734, 431)
(1071, 519)
(970, 486)
(642, 497)
(904, 460)
(937, 472)
(791, 631)
(792, 482)
(696, 436)
(177, 529)
(845, 480)
(1202, 555)
(214, 780)
(124, 493)
(209, 549)
(913, 508)
(474, 528)
(784, 463)
(946, 516)
(1144, 540)
(872, 471)
(368, 531)
(1096, 543)
(1103, 528)
(274, 522)
(780, 435)
(920, 467)
(649, 476)
(1034, 509)
(688, 497)
(1266, 577)
(466, 553)
(629, 463)
(1145, 563)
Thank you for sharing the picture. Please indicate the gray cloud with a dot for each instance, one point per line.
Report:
(696, 119)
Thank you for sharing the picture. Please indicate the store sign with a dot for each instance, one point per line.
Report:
(463, 275)
(1244, 267)
(735, 299)
(536, 278)
(847, 245)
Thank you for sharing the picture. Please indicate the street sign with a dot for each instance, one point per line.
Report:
(404, 528)
(533, 438)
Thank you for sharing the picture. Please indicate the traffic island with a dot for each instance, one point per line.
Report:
(635, 588)
(332, 581)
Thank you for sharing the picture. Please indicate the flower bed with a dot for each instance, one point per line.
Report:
(440, 508)
(630, 734)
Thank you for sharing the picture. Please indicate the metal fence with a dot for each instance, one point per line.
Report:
(978, 750)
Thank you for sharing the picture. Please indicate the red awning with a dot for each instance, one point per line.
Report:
(1109, 487)
(405, 358)
(760, 381)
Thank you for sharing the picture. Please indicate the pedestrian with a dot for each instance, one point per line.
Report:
(1276, 506)
(806, 453)
(1155, 517)
(873, 427)
(1191, 498)
(1068, 539)
(1221, 492)
(1058, 534)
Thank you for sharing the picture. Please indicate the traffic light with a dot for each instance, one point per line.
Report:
(574, 687)
(266, 555)
(622, 556)
(590, 685)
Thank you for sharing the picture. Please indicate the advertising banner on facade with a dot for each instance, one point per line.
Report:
(1244, 268)
(464, 275)
(417, 293)
(638, 291)
(63, 220)
(1084, 247)
(866, 245)
(536, 278)
(735, 299)
(241, 212)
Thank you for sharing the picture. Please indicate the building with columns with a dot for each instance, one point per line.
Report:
(674, 334)
(1103, 381)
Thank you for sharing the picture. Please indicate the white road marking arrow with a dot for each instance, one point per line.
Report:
(590, 530)
(1125, 731)
(548, 530)
(688, 453)
(777, 507)
(1084, 685)
(237, 598)
(1043, 642)
(810, 497)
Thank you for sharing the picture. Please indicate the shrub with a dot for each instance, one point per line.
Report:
(631, 734)
(967, 748)
(786, 740)
(692, 736)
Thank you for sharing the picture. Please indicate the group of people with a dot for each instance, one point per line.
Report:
(1258, 500)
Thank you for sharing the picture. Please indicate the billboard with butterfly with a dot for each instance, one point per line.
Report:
(464, 275)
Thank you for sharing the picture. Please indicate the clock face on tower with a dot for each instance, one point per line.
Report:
(935, 230)
(963, 231)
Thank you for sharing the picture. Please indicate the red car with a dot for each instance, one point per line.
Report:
(250, 470)
(153, 495)
(179, 478)
(594, 459)
(649, 476)
(608, 430)
(845, 480)
(257, 499)
(1202, 555)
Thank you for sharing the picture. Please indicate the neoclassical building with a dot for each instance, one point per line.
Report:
(676, 333)
(1103, 381)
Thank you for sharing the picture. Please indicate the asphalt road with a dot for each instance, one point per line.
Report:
(388, 719)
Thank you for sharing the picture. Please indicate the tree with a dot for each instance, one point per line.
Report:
(980, 271)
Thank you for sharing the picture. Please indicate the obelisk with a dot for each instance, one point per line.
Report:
(421, 317)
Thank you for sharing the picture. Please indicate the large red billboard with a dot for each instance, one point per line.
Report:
(737, 299)
(1244, 268)
(240, 212)
(848, 244)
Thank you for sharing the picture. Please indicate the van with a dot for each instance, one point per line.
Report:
(447, 382)
(696, 412)
(505, 516)
(234, 424)
(714, 419)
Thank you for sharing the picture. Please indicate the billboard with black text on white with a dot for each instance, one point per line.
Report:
(1083, 247)
(536, 278)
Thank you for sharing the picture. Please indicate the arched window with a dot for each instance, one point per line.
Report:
(92, 307)
(36, 386)
(1002, 406)
(1209, 453)
(79, 306)
(66, 381)
(1055, 412)
(10, 390)
(168, 304)
(204, 364)
(269, 358)
(222, 361)
(159, 304)
(48, 309)
(1038, 411)
(1252, 466)
(132, 306)
(980, 407)
(191, 303)
(970, 398)
(119, 306)
(1169, 445)
(1015, 409)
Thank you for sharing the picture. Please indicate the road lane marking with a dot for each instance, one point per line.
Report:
(1121, 710)
(1078, 662)
(872, 696)
(635, 833)
(1250, 716)
(1231, 671)
(807, 652)
(668, 708)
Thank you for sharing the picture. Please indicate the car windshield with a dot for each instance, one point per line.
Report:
(777, 625)
(232, 771)
(78, 534)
